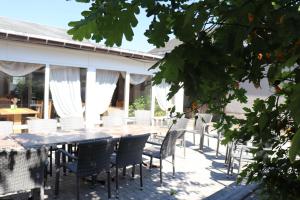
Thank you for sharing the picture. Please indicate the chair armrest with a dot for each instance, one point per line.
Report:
(67, 154)
(153, 143)
(182, 129)
(210, 123)
(193, 131)
(159, 137)
(207, 125)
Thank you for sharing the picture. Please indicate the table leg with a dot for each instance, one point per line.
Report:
(17, 119)
(64, 161)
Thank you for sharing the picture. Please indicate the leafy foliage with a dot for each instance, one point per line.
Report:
(144, 103)
(224, 43)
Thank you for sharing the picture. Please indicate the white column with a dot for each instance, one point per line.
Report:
(126, 94)
(152, 104)
(46, 91)
(90, 115)
(179, 98)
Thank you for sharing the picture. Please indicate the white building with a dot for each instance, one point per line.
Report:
(43, 64)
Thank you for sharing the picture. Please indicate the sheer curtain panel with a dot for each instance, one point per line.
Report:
(65, 91)
(136, 79)
(18, 68)
(104, 89)
(161, 94)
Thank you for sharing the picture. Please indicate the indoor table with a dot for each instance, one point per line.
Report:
(15, 115)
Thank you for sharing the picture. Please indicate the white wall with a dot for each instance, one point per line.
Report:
(49, 55)
(253, 93)
(32, 53)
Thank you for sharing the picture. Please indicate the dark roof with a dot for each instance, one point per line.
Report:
(169, 46)
(16, 30)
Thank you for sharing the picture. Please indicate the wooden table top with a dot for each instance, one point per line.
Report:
(17, 111)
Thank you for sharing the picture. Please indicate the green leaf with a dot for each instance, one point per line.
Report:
(294, 104)
(247, 109)
(295, 147)
(263, 121)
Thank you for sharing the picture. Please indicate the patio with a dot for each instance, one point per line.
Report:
(77, 80)
(197, 176)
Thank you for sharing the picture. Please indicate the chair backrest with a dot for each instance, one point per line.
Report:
(71, 123)
(42, 125)
(143, 117)
(179, 124)
(22, 170)
(201, 119)
(168, 145)
(130, 149)
(114, 120)
(6, 128)
(93, 157)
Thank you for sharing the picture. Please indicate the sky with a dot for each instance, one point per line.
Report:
(59, 13)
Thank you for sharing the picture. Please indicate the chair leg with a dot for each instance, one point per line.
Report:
(117, 183)
(151, 160)
(124, 171)
(239, 169)
(201, 142)
(57, 162)
(133, 171)
(77, 187)
(94, 179)
(45, 175)
(229, 166)
(141, 176)
(108, 184)
(173, 164)
(37, 193)
(64, 161)
(160, 171)
(218, 146)
(50, 158)
(70, 150)
(194, 139)
(42, 192)
(227, 155)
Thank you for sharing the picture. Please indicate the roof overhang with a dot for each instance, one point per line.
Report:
(72, 44)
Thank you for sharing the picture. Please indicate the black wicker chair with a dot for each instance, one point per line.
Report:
(163, 150)
(129, 152)
(91, 159)
(23, 170)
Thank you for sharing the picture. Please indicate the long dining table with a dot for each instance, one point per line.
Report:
(61, 137)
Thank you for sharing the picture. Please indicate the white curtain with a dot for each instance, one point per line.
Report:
(136, 79)
(161, 94)
(104, 89)
(18, 68)
(65, 91)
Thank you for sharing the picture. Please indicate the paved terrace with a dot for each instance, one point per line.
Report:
(198, 176)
